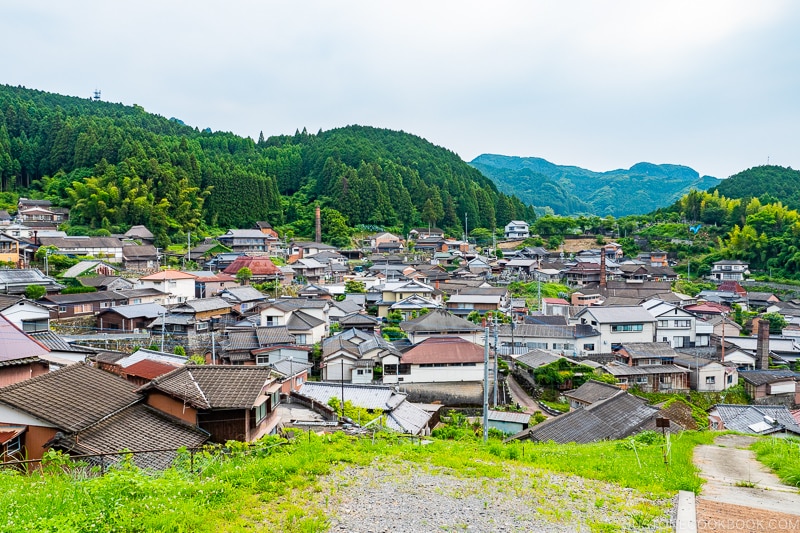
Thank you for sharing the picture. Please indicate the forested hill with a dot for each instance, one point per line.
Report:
(769, 183)
(570, 190)
(117, 165)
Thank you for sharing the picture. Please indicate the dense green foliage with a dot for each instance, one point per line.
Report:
(116, 166)
(769, 183)
(571, 190)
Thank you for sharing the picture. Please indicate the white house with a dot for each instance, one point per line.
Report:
(729, 270)
(618, 325)
(351, 355)
(435, 360)
(708, 375)
(517, 229)
(177, 285)
(28, 316)
(674, 325)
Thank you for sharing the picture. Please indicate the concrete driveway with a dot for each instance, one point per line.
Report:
(734, 476)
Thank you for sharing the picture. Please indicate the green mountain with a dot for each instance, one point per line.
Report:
(116, 166)
(769, 183)
(570, 190)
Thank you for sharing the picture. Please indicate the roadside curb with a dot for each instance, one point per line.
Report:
(686, 520)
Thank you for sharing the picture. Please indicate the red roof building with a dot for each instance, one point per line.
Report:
(261, 267)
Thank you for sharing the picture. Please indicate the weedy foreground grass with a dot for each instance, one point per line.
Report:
(275, 486)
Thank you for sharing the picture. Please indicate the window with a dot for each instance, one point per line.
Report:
(641, 379)
(360, 372)
(14, 445)
(62, 308)
(403, 369)
(663, 323)
(683, 323)
(82, 308)
(626, 327)
(588, 347)
(30, 326)
(711, 380)
(261, 412)
(539, 345)
(262, 360)
(730, 379)
(201, 326)
(389, 370)
(104, 305)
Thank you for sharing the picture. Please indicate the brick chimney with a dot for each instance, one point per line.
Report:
(762, 345)
(318, 221)
(602, 268)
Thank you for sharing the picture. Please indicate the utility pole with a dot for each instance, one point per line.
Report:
(163, 328)
(342, 360)
(486, 384)
(496, 327)
(213, 350)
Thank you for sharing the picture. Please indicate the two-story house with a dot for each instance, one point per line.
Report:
(249, 241)
(177, 285)
(618, 325)
(674, 325)
(729, 270)
(517, 229)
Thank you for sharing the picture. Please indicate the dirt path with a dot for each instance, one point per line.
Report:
(741, 493)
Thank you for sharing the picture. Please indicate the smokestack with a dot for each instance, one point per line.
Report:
(602, 268)
(318, 220)
(762, 345)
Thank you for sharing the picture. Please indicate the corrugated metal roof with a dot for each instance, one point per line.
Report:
(508, 416)
(743, 418)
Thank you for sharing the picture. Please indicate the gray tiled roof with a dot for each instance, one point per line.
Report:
(247, 293)
(300, 321)
(269, 335)
(536, 358)
(289, 367)
(71, 398)
(741, 417)
(54, 341)
(214, 386)
(150, 310)
(201, 305)
(439, 320)
(646, 350)
(593, 391)
(615, 418)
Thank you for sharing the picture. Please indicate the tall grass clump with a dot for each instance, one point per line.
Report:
(782, 455)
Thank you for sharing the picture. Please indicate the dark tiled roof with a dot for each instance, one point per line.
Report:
(72, 398)
(639, 350)
(268, 335)
(214, 387)
(137, 428)
(139, 251)
(150, 310)
(762, 377)
(615, 418)
(85, 297)
(300, 321)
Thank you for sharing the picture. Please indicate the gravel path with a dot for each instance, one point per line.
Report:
(405, 497)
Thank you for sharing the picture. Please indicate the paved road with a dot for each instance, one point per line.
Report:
(728, 463)
(518, 395)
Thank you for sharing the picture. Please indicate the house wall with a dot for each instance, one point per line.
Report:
(23, 312)
(361, 375)
(713, 370)
(781, 387)
(509, 428)
(14, 374)
(171, 406)
(225, 424)
(294, 383)
(335, 370)
(34, 440)
(444, 374)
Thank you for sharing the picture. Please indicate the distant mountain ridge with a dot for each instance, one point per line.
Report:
(571, 190)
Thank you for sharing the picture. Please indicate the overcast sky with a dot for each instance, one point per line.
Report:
(714, 85)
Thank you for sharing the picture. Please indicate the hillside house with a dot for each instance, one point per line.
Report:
(517, 229)
(618, 325)
(729, 270)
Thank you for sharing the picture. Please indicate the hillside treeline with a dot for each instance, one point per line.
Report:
(116, 166)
